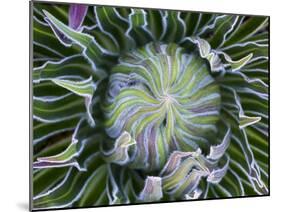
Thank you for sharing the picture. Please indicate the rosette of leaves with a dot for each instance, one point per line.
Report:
(140, 105)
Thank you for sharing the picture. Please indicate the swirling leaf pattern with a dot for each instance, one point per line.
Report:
(140, 105)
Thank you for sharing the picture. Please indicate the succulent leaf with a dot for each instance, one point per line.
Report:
(119, 153)
(152, 190)
(139, 105)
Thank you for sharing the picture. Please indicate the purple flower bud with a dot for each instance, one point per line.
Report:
(76, 15)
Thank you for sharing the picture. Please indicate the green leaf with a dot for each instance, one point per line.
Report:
(53, 148)
(257, 50)
(207, 52)
(221, 28)
(43, 131)
(60, 11)
(182, 173)
(237, 65)
(119, 153)
(174, 27)
(240, 151)
(83, 88)
(138, 31)
(152, 190)
(92, 50)
(65, 158)
(51, 110)
(95, 191)
(212, 22)
(192, 22)
(45, 179)
(74, 184)
(154, 20)
(111, 23)
(46, 44)
(247, 29)
(245, 121)
(70, 152)
(216, 152)
(75, 66)
(142, 117)
(194, 194)
(217, 174)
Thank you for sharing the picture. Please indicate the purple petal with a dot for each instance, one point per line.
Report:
(77, 13)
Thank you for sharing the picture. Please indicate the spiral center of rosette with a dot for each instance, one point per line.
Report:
(166, 98)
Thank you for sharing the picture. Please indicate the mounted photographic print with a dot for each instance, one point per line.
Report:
(138, 105)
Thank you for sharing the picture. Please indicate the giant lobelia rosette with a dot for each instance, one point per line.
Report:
(143, 105)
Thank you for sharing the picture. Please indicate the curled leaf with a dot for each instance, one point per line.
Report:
(238, 64)
(216, 152)
(119, 153)
(64, 158)
(207, 52)
(244, 120)
(218, 173)
(152, 190)
(85, 88)
(193, 195)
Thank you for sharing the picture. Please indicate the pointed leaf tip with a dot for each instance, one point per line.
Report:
(245, 121)
(152, 190)
(237, 64)
(84, 88)
(216, 152)
(119, 154)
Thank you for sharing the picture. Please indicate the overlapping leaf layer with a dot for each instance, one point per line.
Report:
(142, 105)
